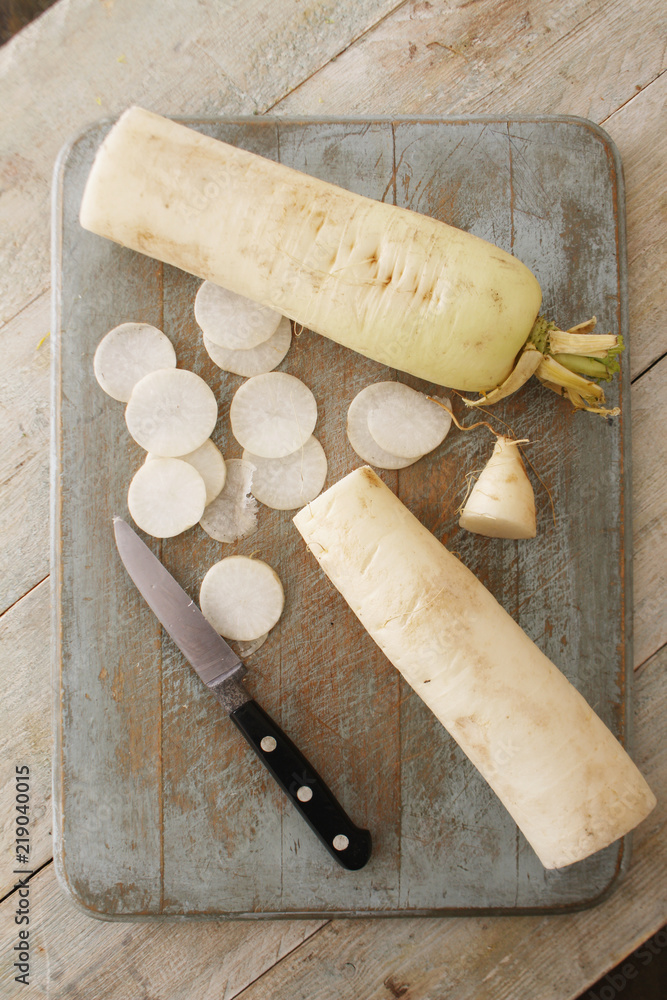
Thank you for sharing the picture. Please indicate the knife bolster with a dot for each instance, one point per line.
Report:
(231, 694)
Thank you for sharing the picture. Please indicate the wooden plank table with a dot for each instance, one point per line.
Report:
(82, 60)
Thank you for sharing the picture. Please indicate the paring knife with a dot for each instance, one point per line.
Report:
(221, 670)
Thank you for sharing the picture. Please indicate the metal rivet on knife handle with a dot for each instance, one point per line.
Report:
(341, 842)
(268, 744)
(304, 794)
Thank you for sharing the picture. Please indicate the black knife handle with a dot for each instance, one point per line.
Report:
(347, 843)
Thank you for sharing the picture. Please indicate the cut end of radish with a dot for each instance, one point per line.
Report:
(231, 320)
(127, 353)
(273, 415)
(290, 482)
(171, 412)
(166, 497)
(502, 502)
(256, 361)
(233, 513)
(242, 598)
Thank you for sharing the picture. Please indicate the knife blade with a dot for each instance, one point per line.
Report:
(222, 672)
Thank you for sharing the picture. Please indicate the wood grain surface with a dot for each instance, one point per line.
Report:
(191, 826)
(84, 59)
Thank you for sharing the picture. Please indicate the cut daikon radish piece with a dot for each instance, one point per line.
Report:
(231, 320)
(233, 513)
(127, 353)
(289, 482)
(242, 598)
(166, 496)
(256, 361)
(502, 502)
(171, 412)
(405, 422)
(272, 415)
(362, 440)
(209, 463)
(568, 783)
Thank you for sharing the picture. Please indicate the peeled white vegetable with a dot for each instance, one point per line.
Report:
(233, 513)
(402, 288)
(362, 440)
(127, 353)
(166, 496)
(233, 321)
(272, 415)
(568, 783)
(502, 502)
(258, 360)
(405, 422)
(171, 412)
(242, 598)
(290, 482)
(209, 463)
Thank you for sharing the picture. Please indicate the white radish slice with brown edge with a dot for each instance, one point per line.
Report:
(501, 504)
(231, 320)
(166, 497)
(405, 422)
(171, 412)
(208, 460)
(242, 598)
(290, 482)
(272, 415)
(233, 513)
(362, 440)
(127, 353)
(257, 360)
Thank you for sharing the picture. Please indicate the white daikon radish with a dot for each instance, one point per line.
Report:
(127, 353)
(272, 415)
(290, 482)
(247, 649)
(166, 496)
(242, 598)
(233, 321)
(171, 412)
(405, 422)
(502, 502)
(362, 440)
(257, 360)
(565, 779)
(402, 288)
(233, 513)
(209, 463)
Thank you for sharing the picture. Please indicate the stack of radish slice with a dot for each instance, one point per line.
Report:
(171, 413)
(240, 336)
(273, 417)
(392, 426)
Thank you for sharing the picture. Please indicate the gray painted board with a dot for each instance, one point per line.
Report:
(159, 807)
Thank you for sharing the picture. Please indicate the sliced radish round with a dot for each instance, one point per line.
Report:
(256, 361)
(362, 440)
(272, 415)
(405, 422)
(171, 412)
(247, 649)
(231, 320)
(290, 482)
(127, 353)
(209, 463)
(166, 496)
(242, 598)
(233, 513)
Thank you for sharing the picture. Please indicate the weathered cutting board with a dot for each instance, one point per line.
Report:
(160, 807)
